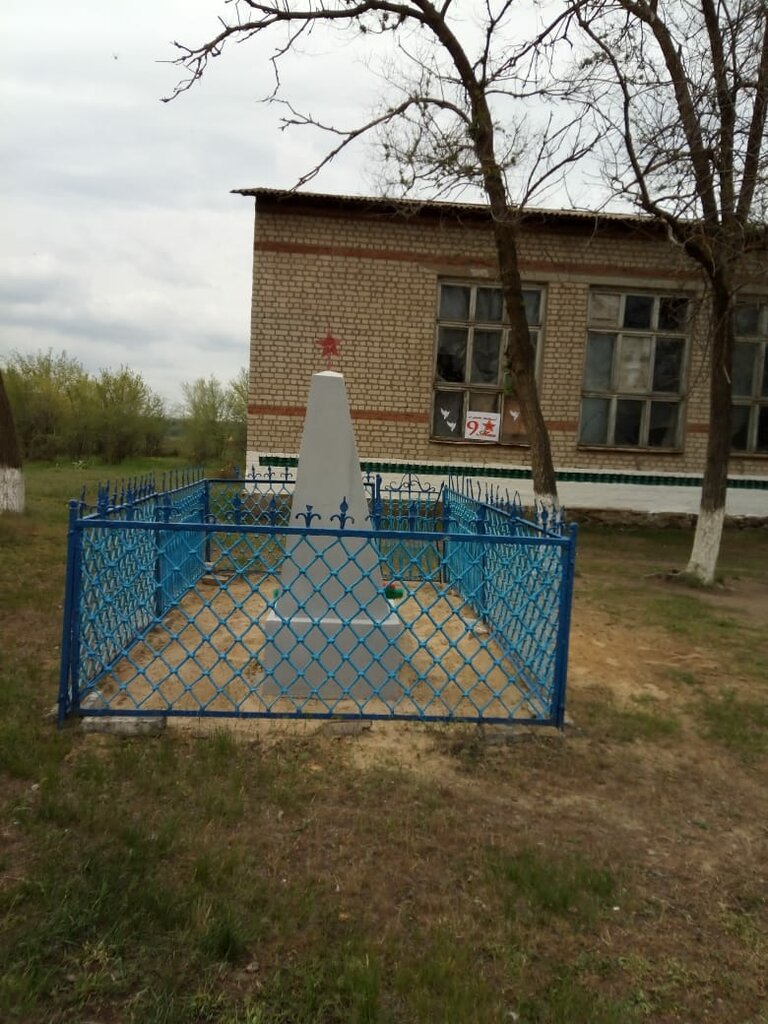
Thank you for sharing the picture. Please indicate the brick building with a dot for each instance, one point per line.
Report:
(410, 289)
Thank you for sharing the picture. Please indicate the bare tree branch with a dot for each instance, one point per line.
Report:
(455, 125)
(681, 90)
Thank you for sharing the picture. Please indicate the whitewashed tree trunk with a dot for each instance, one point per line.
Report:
(11, 489)
(11, 478)
(706, 546)
(714, 485)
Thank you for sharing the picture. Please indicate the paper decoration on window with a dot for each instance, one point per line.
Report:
(451, 424)
(514, 424)
(330, 348)
(482, 426)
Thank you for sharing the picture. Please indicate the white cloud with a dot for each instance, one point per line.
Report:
(121, 241)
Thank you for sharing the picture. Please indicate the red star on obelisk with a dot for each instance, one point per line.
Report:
(330, 347)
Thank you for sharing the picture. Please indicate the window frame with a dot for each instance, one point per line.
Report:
(756, 402)
(499, 389)
(613, 393)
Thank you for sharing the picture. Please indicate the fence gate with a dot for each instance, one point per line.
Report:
(197, 597)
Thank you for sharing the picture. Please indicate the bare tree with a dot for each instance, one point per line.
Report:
(11, 478)
(680, 90)
(450, 127)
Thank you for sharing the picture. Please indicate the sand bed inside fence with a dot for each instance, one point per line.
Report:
(203, 658)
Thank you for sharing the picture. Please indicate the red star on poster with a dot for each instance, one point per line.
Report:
(330, 348)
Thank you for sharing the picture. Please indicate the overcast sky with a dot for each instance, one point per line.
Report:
(119, 240)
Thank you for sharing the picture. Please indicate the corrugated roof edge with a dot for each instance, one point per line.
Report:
(438, 208)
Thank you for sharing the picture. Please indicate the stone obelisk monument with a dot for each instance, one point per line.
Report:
(332, 632)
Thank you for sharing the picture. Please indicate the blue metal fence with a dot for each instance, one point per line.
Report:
(196, 597)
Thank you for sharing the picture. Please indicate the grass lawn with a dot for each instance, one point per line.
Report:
(406, 873)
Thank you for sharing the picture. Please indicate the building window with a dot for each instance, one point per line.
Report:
(473, 396)
(749, 380)
(634, 370)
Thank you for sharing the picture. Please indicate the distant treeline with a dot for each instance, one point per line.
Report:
(63, 412)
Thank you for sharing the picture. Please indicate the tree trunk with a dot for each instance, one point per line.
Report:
(520, 355)
(522, 366)
(11, 478)
(709, 526)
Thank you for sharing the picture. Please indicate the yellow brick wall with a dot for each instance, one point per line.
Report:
(372, 282)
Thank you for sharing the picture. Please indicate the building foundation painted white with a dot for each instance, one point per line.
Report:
(598, 490)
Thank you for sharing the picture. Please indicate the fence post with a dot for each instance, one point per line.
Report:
(412, 515)
(158, 560)
(444, 568)
(480, 525)
(376, 507)
(568, 563)
(206, 512)
(69, 664)
(237, 509)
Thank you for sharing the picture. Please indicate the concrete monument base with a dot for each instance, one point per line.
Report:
(331, 658)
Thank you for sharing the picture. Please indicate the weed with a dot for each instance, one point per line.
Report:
(565, 1000)
(680, 675)
(223, 939)
(533, 882)
(688, 616)
(629, 724)
(740, 725)
(341, 987)
(441, 982)
(467, 745)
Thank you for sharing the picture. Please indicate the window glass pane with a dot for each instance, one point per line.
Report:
(599, 364)
(485, 357)
(604, 309)
(743, 367)
(747, 318)
(740, 428)
(668, 364)
(451, 354)
(454, 302)
(628, 418)
(673, 313)
(489, 306)
(594, 420)
(448, 418)
(638, 310)
(483, 401)
(634, 363)
(762, 429)
(662, 429)
(532, 301)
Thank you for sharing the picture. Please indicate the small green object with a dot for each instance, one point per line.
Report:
(394, 591)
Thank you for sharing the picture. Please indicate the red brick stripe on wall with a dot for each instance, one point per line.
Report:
(276, 410)
(352, 252)
(529, 266)
(378, 415)
(389, 417)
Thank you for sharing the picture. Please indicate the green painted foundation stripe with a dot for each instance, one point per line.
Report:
(517, 473)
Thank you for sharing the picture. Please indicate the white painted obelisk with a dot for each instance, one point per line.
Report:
(332, 632)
